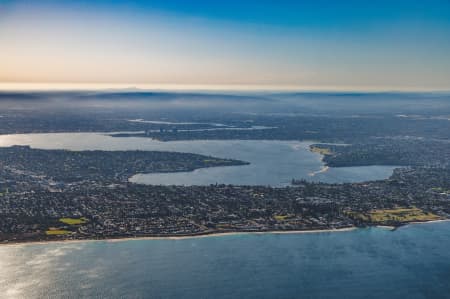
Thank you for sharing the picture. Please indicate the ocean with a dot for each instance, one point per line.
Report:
(410, 262)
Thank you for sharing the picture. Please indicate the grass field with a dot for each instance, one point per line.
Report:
(73, 221)
(57, 232)
(322, 151)
(400, 215)
(280, 217)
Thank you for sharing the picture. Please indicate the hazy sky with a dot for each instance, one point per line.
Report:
(298, 44)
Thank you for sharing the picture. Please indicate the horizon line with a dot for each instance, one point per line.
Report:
(60, 86)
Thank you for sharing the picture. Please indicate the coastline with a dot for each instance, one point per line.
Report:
(213, 234)
(425, 222)
(323, 169)
(181, 237)
(387, 227)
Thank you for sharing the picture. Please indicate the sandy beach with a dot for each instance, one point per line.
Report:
(425, 222)
(323, 169)
(210, 235)
(206, 235)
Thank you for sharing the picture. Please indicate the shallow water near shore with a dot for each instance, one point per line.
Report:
(410, 262)
(272, 162)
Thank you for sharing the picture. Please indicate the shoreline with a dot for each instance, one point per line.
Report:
(215, 234)
(322, 170)
(425, 222)
(324, 167)
(387, 227)
(181, 237)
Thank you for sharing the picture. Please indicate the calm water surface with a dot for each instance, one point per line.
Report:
(272, 162)
(411, 262)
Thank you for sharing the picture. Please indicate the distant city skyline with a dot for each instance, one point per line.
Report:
(261, 45)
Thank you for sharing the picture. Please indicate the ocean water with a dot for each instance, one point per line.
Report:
(411, 262)
(272, 162)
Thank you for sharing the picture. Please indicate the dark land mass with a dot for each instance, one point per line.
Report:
(59, 167)
(334, 117)
(37, 209)
(387, 151)
(59, 195)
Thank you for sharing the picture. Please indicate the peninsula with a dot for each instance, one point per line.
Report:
(83, 195)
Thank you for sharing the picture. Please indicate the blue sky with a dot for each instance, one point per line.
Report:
(401, 45)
